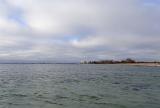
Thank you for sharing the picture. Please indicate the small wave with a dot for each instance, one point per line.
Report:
(51, 102)
(60, 97)
(90, 97)
(19, 95)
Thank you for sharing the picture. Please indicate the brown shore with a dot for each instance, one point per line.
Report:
(144, 64)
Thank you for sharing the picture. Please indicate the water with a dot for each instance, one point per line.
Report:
(78, 86)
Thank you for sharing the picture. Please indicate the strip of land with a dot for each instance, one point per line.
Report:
(125, 62)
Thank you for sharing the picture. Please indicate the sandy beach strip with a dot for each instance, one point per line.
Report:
(145, 64)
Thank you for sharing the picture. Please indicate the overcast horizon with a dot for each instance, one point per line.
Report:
(76, 30)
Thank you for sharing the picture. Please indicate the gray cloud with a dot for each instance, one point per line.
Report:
(74, 30)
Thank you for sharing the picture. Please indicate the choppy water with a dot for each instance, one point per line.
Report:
(78, 86)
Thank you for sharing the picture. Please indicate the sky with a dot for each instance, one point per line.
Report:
(77, 30)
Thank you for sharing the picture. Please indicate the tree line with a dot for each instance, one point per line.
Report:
(128, 60)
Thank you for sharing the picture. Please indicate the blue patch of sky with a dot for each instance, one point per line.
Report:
(150, 2)
(16, 15)
(79, 33)
(2, 1)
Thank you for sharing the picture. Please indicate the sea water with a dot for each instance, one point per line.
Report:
(79, 86)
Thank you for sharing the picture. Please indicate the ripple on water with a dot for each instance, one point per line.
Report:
(19, 95)
(53, 102)
(90, 97)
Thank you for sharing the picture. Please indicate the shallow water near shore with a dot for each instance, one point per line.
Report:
(79, 86)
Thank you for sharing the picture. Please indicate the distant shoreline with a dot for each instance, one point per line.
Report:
(135, 64)
(127, 61)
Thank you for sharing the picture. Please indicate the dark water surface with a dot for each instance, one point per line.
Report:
(78, 86)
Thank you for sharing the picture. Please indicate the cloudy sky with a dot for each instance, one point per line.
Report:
(75, 30)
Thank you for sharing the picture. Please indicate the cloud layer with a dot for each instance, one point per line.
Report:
(74, 30)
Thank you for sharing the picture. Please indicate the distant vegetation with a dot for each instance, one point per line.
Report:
(128, 60)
